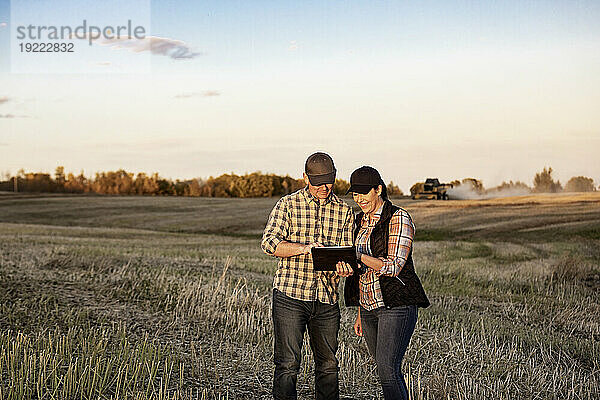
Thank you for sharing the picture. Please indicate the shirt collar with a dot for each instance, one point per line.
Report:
(310, 197)
(376, 215)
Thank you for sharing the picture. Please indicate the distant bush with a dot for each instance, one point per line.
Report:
(580, 184)
(510, 188)
(513, 185)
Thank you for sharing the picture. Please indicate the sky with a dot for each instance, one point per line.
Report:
(491, 90)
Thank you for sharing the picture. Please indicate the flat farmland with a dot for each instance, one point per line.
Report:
(164, 297)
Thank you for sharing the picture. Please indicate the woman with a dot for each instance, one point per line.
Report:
(388, 292)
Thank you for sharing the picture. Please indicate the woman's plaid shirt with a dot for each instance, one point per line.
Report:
(401, 234)
(300, 218)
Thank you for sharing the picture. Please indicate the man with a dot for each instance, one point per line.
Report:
(302, 297)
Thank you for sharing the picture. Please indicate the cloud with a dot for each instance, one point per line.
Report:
(4, 100)
(175, 49)
(207, 93)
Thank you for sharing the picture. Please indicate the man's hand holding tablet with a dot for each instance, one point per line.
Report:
(308, 247)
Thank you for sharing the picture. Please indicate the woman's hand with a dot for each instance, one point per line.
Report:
(358, 326)
(372, 262)
(343, 269)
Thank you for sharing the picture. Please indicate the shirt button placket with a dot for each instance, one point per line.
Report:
(317, 239)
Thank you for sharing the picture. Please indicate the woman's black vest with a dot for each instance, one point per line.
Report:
(402, 291)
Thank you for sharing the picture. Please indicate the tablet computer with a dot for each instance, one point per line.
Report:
(325, 258)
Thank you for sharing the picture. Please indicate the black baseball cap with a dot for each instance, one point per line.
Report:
(320, 169)
(364, 179)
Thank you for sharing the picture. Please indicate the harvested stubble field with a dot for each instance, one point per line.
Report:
(169, 298)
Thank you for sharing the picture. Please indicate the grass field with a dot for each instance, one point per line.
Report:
(169, 298)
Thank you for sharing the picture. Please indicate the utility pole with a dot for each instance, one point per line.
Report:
(16, 186)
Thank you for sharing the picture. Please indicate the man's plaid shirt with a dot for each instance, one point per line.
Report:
(300, 218)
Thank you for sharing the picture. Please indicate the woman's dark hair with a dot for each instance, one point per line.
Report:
(384, 195)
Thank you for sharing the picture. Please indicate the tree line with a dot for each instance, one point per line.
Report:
(254, 184)
(543, 182)
(121, 182)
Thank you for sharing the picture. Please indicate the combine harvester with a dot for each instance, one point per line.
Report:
(434, 190)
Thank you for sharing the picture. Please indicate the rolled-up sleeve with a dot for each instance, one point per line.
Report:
(277, 228)
(401, 234)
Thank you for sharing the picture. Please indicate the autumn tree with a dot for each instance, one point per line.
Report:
(340, 186)
(76, 184)
(393, 190)
(37, 182)
(194, 188)
(252, 185)
(218, 187)
(290, 185)
(59, 177)
(165, 187)
(144, 184)
(113, 182)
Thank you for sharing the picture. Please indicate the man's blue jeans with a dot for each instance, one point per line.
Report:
(387, 332)
(291, 318)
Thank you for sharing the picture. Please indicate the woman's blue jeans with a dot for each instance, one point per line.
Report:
(291, 318)
(387, 332)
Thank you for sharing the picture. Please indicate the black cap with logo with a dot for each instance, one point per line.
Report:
(364, 179)
(320, 169)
